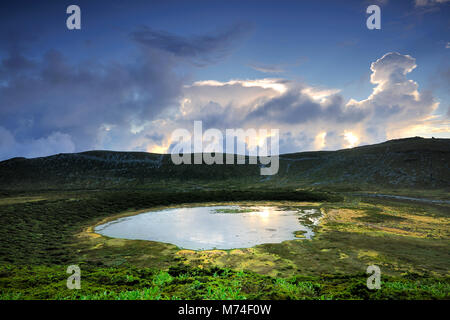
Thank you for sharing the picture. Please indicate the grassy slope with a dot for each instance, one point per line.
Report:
(408, 164)
(44, 231)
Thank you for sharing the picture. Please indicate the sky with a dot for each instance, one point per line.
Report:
(138, 70)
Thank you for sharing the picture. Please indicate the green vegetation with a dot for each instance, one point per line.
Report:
(237, 210)
(45, 232)
(49, 207)
(181, 282)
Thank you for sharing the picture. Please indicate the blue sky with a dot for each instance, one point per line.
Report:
(122, 81)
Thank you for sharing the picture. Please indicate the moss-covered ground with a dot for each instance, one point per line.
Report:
(42, 233)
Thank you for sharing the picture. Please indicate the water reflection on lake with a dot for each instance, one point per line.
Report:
(220, 227)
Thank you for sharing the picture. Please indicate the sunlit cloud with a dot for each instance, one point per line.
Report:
(319, 141)
(351, 139)
(318, 93)
(267, 83)
(158, 149)
(310, 117)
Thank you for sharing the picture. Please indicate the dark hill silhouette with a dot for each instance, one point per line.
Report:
(403, 163)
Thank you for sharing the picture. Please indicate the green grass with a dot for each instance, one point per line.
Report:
(38, 240)
(132, 283)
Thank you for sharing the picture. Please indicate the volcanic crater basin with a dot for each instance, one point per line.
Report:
(216, 227)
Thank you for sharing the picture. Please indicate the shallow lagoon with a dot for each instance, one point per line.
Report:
(215, 227)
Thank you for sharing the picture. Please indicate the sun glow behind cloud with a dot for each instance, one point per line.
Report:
(308, 117)
(158, 149)
(351, 139)
(319, 94)
(320, 116)
(315, 118)
(319, 141)
(131, 94)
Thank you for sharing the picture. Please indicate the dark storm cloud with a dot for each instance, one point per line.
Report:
(14, 64)
(295, 108)
(60, 95)
(49, 98)
(12, 51)
(199, 50)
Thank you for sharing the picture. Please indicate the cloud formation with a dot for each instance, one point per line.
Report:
(311, 117)
(94, 104)
(55, 143)
(425, 3)
(200, 50)
(266, 68)
(49, 104)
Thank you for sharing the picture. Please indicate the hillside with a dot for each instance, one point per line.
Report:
(404, 163)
